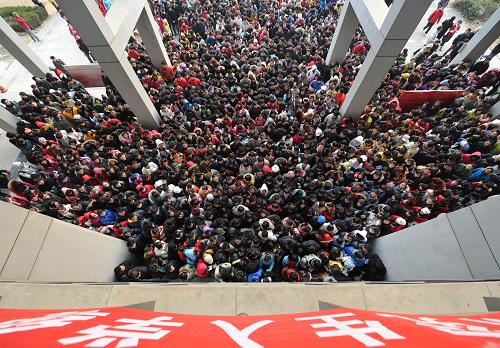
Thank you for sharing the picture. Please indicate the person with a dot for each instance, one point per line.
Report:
(3, 89)
(25, 26)
(447, 24)
(85, 50)
(434, 18)
(102, 7)
(55, 4)
(59, 64)
(481, 66)
(467, 34)
(107, 4)
(495, 51)
(450, 33)
(38, 3)
(253, 175)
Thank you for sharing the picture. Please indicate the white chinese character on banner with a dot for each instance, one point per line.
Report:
(454, 328)
(129, 335)
(241, 337)
(489, 321)
(49, 320)
(345, 328)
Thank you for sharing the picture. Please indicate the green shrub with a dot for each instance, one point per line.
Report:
(477, 9)
(34, 16)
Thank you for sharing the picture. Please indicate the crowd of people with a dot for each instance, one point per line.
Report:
(254, 175)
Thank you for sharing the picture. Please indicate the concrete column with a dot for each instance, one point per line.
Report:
(400, 22)
(102, 39)
(8, 121)
(481, 41)
(366, 83)
(19, 50)
(125, 80)
(346, 28)
(151, 38)
(495, 110)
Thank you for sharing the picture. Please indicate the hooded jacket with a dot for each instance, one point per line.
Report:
(266, 265)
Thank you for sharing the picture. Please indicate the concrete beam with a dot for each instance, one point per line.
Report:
(370, 17)
(8, 121)
(128, 84)
(495, 110)
(346, 28)
(86, 17)
(151, 38)
(98, 34)
(122, 18)
(481, 41)
(399, 24)
(22, 52)
(366, 83)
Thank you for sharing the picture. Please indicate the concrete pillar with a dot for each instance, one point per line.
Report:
(346, 28)
(151, 38)
(8, 121)
(400, 22)
(20, 51)
(495, 110)
(107, 44)
(122, 74)
(367, 81)
(481, 41)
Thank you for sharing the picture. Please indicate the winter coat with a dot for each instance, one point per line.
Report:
(479, 174)
(435, 16)
(109, 218)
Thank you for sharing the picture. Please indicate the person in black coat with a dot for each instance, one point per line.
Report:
(445, 26)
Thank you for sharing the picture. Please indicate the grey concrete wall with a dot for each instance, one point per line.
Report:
(36, 247)
(462, 245)
(257, 299)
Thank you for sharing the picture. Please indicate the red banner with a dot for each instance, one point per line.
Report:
(90, 75)
(341, 327)
(409, 100)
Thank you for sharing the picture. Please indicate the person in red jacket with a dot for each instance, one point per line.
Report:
(25, 26)
(361, 48)
(434, 18)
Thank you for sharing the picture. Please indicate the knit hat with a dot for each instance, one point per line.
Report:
(264, 190)
(425, 211)
(208, 259)
(275, 168)
(401, 221)
(201, 270)
(332, 263)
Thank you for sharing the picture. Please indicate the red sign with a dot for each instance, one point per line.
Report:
(90, 75)
(341, 327)
(409, 100)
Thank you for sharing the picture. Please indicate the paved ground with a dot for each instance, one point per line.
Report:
(56, 41)
(418, 38)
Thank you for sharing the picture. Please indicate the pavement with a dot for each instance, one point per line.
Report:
(56, 40)
(417, 40)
